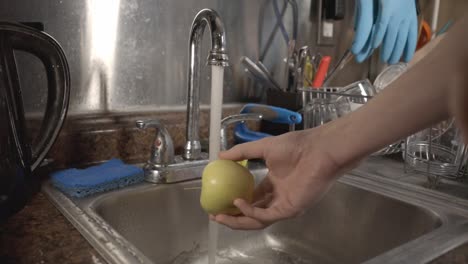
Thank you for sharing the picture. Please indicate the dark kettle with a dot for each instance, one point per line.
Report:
(18, 158)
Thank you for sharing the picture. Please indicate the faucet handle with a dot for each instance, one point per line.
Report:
(234, 119)
(162, 150)
(142, 124)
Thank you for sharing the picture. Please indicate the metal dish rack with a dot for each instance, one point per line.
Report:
(428, 159)
(435, 156)
(337, 93)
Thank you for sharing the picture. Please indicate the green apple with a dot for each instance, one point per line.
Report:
(243, 163)
(222, 182)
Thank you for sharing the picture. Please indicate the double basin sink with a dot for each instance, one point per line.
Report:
(363, 218)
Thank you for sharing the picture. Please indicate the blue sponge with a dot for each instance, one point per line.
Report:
(110, 175)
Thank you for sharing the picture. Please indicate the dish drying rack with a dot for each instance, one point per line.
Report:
(453, 168)
(358, 96)
(435, 156)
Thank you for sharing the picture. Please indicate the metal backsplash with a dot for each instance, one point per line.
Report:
(131, 55)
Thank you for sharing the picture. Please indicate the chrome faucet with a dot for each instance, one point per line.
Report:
(163, 166)
(162, 151)
(235, 119)
(217, 56)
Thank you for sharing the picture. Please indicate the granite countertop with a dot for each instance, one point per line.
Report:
(41, 234)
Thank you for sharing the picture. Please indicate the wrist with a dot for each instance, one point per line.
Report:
(334, 142)
(344, 144)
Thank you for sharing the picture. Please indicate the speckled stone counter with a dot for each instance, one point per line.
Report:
(41, 234)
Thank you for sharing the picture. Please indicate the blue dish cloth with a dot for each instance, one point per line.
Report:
(110, 175)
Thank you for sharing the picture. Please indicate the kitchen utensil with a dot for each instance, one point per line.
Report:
(347, 57)
(267, 73)
(316, 58)
(17, 158)
(304, 69)
(425, 34)
(260, 75)
(270, 113)
(242, 134)
(321, 72)
(287, 100)
(308, 73)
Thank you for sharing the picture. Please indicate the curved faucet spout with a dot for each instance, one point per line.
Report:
(217, 56)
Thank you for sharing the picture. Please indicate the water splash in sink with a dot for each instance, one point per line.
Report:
(212, 242)
(265, 256)
(233, 255)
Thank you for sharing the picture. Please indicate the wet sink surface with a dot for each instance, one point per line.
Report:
(349, 225)
(358, 220)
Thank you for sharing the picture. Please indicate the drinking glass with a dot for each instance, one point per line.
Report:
(319, 111)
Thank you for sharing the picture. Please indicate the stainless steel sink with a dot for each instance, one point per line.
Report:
(361, 219)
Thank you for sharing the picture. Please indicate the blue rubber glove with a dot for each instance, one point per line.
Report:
(364, 20)
(395, 27)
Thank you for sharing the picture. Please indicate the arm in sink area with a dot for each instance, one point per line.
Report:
(304, 164)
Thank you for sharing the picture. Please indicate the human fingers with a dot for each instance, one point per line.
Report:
(239, 222)
(250, 150)
(263, 188)
(265, 215)
(264, 201)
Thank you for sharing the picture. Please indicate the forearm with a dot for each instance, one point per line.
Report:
(413, 102)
